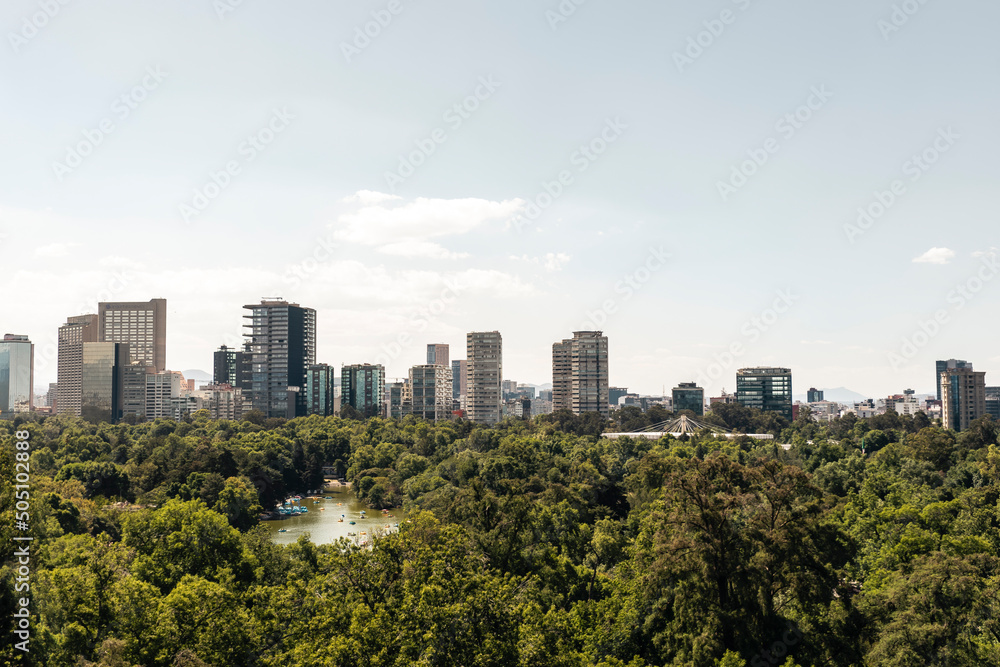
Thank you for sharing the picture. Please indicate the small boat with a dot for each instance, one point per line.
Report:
(351, 522)
(328, 498)
(340, 521)
(283, 530)
(322, 509)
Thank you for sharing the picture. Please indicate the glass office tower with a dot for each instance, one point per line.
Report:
(362, 386)
(766, 389)
(689, 396)
(282, 341)
(102, 381)
(17, 360)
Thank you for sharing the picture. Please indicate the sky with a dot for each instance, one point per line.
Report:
(715, 185)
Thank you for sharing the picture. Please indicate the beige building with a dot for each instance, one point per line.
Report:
(484, 372)
(437, 353)
(161, 390)
(430, 392)
(69, 365)
(580, 373)
(142, 325)
(222, 401)
(963, 397)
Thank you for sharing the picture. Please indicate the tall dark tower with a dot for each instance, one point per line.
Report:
(282, 341)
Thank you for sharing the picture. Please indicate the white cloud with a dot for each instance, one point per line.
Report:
(116, 262)
(984, 253)
(368, 198)
(551, 262)
(424, 249)
(421, 219)
(555, 261)
(54, 250)
(936, 256)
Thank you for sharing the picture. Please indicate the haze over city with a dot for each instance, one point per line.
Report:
(803, 182)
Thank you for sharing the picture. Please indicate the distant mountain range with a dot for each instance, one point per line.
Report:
(197, 376)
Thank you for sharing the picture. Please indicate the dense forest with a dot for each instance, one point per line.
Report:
(868, 542)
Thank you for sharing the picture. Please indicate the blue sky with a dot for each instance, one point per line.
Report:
(289, 136)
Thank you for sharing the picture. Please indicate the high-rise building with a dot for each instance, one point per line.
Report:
(282, 341)
(233, 367)
(430, 389)
(814, 395)
(362, 386)
(484, 353)
(508, 389)
(993, 402)
(580, 373)
(134, 390)
(459, 381)
(963, 397)
(52, 397)
(17, 376)
(222, 401)
(162, 390)
(689, 396)
(437, 353)
(69, 366)
(614, 393)
(767, 389)
(562, 375)
(319, 390)
(101, 381)
(142, 325)
(394, 400)
(525, 391)
(949, 365)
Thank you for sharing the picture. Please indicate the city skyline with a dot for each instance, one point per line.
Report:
(422, 349)
(605, 175)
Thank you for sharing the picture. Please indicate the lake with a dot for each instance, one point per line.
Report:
(322, 521)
